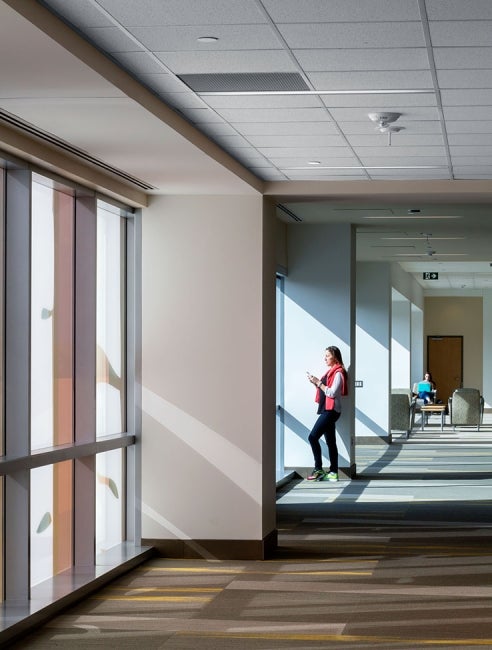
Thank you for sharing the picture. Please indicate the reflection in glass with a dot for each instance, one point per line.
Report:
(52, 236)
(51, 520)
(110, 391)
(109, 500)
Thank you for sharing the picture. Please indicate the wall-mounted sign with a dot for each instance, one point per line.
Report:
(430, 275)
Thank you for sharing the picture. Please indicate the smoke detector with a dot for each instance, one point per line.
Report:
(385, 121)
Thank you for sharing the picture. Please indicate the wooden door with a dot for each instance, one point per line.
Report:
(445, 363)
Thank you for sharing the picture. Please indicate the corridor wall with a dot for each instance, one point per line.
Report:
(208, 367)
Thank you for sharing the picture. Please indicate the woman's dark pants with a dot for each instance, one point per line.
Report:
(325, 426)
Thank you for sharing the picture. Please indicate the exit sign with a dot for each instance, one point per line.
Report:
(430, 275)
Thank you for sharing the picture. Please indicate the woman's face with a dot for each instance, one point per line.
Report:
(329, 358)
(427, 376)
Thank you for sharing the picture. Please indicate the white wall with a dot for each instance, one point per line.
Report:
(373, 338)
(400, 341)
(208, 332)
(416, 344)
(319, 311)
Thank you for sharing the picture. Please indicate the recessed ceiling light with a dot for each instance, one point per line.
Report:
(207, 39)
(314, 162)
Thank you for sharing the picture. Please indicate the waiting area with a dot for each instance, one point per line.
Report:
(464, 408)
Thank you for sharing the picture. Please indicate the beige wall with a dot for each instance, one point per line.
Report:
(458, 316)
(208, 368)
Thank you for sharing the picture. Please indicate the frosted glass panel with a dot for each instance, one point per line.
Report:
(109, 500)
(51, 317)
(51, 520)
(110, 390)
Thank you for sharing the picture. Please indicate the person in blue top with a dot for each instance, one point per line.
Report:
(427, 395)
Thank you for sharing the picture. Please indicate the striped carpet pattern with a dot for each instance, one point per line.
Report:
(401, 557)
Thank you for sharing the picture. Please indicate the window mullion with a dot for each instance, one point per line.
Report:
(17, 379)
(85, 377)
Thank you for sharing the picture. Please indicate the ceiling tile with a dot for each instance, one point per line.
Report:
(262, 101)
(462, 97)
(344, 159)
(479, 151)
(275, 115)
(465, 58)
(371, 80)
(473, 169)
(353, 35)
(307, 153)
(408, 174)
(472, 113)
(470, 139)
(464, 78)
(184, 38)
(379, 102)
(227, 61)
(458, 10)
(460, 159)
(347, 175)
(286, 128)
(408, 152)
(411, 127)
(467, 126)
(293, 11)
(402, 139)
(419, 113)
(374, 160)
(356, 60)
(296, 141)
(183, 12)
(464, 32)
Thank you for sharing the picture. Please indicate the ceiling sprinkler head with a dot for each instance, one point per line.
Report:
(387, 128)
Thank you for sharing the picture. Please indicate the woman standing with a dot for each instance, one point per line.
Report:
(329, 390)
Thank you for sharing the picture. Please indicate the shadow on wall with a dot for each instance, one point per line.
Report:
(372, 426)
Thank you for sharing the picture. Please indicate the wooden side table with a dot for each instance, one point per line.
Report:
(433, 408)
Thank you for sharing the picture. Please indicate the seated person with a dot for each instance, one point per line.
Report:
(426, 389)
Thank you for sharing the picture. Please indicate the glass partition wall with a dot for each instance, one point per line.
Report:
(65, 299)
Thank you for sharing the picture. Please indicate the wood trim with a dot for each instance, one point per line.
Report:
(215, 549)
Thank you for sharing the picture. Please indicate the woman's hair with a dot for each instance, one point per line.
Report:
(430, 376)
(336, 354)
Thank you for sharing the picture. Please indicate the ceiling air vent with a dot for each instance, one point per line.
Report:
(244, 82)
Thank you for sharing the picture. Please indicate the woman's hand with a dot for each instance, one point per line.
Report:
(314, 380)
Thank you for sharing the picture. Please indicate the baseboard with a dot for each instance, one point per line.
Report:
(373, 440)
(215, 549)
(343, 472)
